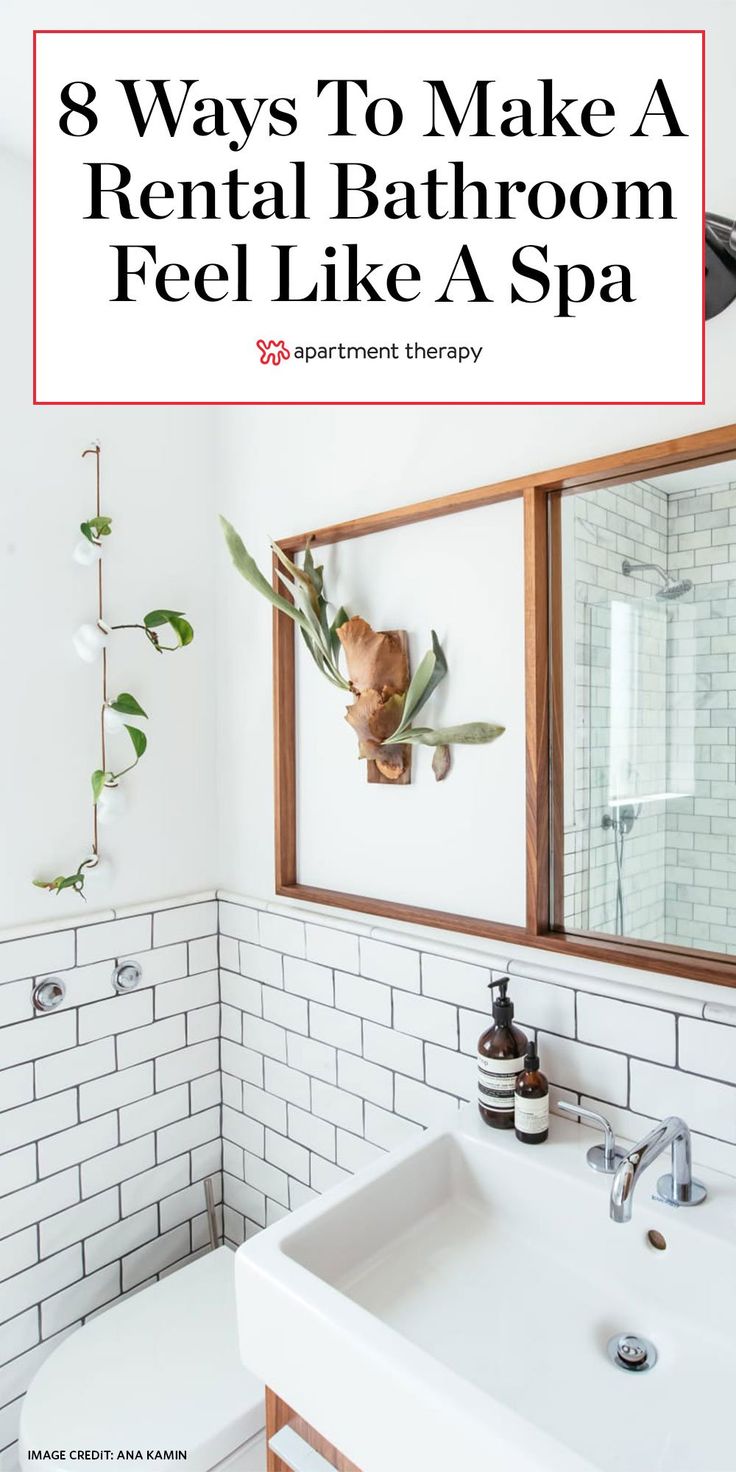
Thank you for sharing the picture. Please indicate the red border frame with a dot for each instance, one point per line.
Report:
(369, 31)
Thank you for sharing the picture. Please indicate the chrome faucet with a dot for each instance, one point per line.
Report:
(677, 1189)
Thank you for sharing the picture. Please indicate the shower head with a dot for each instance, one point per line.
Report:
(674, 590)
(669, 589)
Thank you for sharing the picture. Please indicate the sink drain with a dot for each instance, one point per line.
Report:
(631, 1352)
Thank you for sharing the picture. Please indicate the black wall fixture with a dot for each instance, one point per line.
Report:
(720, 263)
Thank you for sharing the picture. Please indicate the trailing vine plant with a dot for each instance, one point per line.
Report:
(104, 778)
(386, 702)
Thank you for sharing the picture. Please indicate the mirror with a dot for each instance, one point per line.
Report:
(644, 691)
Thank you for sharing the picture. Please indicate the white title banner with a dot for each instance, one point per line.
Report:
(369, 217)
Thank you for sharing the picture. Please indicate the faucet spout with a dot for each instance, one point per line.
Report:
(678, 1188)
(622, 1190)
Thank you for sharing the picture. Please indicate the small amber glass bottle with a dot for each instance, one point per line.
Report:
(531, 1101)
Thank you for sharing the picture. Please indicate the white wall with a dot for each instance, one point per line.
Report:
(157, 485)
(418, 844)
(284, 470)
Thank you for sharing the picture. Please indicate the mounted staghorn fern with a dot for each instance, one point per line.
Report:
(386, 699)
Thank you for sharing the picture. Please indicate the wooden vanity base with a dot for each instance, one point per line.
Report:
(278, 1414)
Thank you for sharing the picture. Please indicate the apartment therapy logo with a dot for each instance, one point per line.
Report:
(522, 192)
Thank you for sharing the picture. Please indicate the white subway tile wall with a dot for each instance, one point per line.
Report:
(109, 1122)
(608, 526)
(701, 675)
(680, 855)
(383, 1042)
(326, 1046)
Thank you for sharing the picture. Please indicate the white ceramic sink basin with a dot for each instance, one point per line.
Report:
(451, 1307)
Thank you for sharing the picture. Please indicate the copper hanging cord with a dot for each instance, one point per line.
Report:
(95, 450)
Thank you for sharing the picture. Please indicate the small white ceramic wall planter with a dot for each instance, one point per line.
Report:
(90, 640)
(86, 553)
(115, 721)
(111, 804)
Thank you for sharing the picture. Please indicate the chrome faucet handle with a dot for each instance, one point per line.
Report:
(605, 1157)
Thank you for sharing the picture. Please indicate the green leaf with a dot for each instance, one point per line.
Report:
(316, 577)
(315, 574)
(63, 881)
(127, 705)
(417, 685)
(440, 670)
(437, 676)
(96, 527)
(315, 651)
(176, 621)
(300, 577)
(303, 597)
(428, 675)
(70, 881)
(341, 617)
(160, 616)
(183, 630)
(99, 779)
(322, 661)
(139, 740)
(249, 570)
(473, 733)
(311, 603)
(302, 612)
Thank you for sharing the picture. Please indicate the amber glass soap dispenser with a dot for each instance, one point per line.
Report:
(500, 1060)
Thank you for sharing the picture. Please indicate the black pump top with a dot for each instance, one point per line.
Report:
(503, 1007)
(531, 1061)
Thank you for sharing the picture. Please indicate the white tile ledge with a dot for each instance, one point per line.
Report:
(634, 991)
(673, 993)
(177, 903)
(304, 913)
(490, 960)
(51, 927)
(720, 1012)
(99, 917)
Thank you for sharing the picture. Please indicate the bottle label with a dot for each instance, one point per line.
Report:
(531, 1116)
(497, 1081)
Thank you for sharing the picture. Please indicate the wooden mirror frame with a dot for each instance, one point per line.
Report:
(541, 494)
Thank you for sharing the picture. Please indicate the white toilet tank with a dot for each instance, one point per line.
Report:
(159, 1372)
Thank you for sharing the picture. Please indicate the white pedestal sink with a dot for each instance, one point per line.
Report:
(449, 1310)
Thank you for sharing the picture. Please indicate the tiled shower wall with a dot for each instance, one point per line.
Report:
(110, 1121)
(701, 674)
(605, 527)
(679, 863)
(338, 1045)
